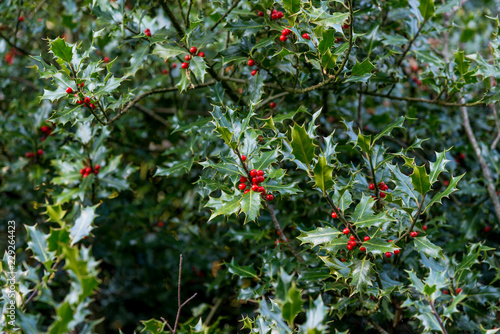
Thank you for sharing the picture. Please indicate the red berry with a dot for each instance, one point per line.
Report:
(242, 186)
(346, 231)
(246, 191)
(260, 173)
(446, 292)
(274, 16)
(193, 49)
(283, 38)
(106, 59)
(174, 65)
(29, 155)
(86, 100)
(260, 13)
(243, 179)
(243, 157)
(382, 194)
(44, 128)
(280, 15)
(342, 259)
(367, 238)
(88, 170)
(160, 224)
(396, 251)
(40, 152)
(96, 171)
(487, 229)
(79, 102)
(253, 173)
(147, 32)
(424, 227)
(350, 247)
(459, 290)
(187, 57)
(305, 36)
(85, 175)
(82, 171)
(334, 215)
(92, 106)
(261, 190)
(255, 180)
(388, 254)
(20, 18)
(352, 237)
(446, 183)
(255, 187)
(371, 186)
(260, 179)
(389, 240)
(201, 54)
(97, 167)
(272, 105)
(82, 84)
(363, 249)
(69, 90)
(251, 62)
(413, 234)
(184, 65)
(354, 243)
(254, 72)
(269, 197)
(286, 32)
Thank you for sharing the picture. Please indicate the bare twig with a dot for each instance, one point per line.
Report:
(152, 114)
(438, 318)
(494, 143)
(172, 18)
(187, 14)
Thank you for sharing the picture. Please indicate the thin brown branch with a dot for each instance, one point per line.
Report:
(187, 14)
(172, 18)
(438, 318)
(414, 99)
(413, 222)
(269, 99)
(236, 2)
(377, 326)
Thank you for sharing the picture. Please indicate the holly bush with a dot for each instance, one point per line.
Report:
(240, 166)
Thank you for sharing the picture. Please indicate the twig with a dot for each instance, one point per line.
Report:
(172, 18)
(187, 14)
(377, 326)
(438, 318)
(488, 179)
(360, 105)
(414, 220)
(236, 2)
(342, 218)
(152, 114)
(212, 311)
(266, 101)
(497, 125)
(414, 99)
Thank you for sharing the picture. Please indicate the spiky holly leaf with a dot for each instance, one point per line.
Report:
(176, 168)
(363, 215)
(428, 248)
(37, 242)
(438, 166)
(335, 245)
(323, 174)
(152, 325)
(168, 51)
(452, 187)
(255, 88)
(338, 269)
(199, 67)
(225, 205)
(264, 160)
(184, 82)
(292, 305)
(420, 179)
(250, 205)
(283, 189)
(319, 236)
(242, 271)
(361, 274)
(61, 49)
(303, 146)
(387, 131)
(379, 246)
(83, 224)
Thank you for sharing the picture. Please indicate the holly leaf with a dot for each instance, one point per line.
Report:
(255, 88)
(291, 6)
(250, 205)
(420, 179)
(61, 49)
(360, 272)
(387, 131)
(168, 51)
(450, 189)
(83, 224)
(321, 235)
(265, 159)
(37, 242)
(225, 208)
(428, 248)
(323, 174)
(379, 246)
(438, 166)
(242, 271)
(292, 305)
(426, 8)
(283, 189)
(302, 145)
(363, 215)
(199, 67)
(153, 325)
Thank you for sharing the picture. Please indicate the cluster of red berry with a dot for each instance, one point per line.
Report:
(251, 63)
(351, 243)
(284, 33)
(87, 170)
(257, 177)
(32, 154)
(147, 32)
(87, 101)
(276, 15)
(46, 130)
(381, 186)
(193, 51)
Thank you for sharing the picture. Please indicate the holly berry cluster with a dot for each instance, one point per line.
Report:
(46, 131)
(382, 187)
(251, 63)
(87, 170)
(147, 32)
(193, 51)
(253, 183)
(276, 15)
(31, 155)
(86, 100)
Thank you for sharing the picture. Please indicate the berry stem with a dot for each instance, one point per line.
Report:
(414, 220)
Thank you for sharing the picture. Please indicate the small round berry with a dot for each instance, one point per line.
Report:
(346, 231)
(260, 172)
(352, 237)
(86, 100)
(96, 171)
(363, 249)
(388, 254)
(29, 154)
(251, 62)
(446, 183)
(334, 215)
(193, 49)
(20, 18)
(165, 71)
(69, 90)
(424, 227)
(354, 243)
(44, 128)
(246, 191)
(261, 179)
(389, 240)
(261, 190)
(184, 65)
(255, 187)
(383, 194)
(255, 180)
(269, 197)
(366, 238)
(286, 32)
(253, 173)
(160, 224)
(342, 259)
(274, 16)
(459, 290)
(371, 186)
(413, 234)
(243, 157)
(147, 32)
(283, 38)
(92, 106)
(187, 57)
(174, 65)
(97, 167)
(82, 171)
(305, 36)
(243, 179)
(106, 59)
(242, 186)
(201, 54)
(254, 72)
(446, 292)
(280, 15)
(40, 152)
(88, 170)
(396, 251)
(85, 175)
(272, 105)
(350, 247)
(487, 229)
(260, 13)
